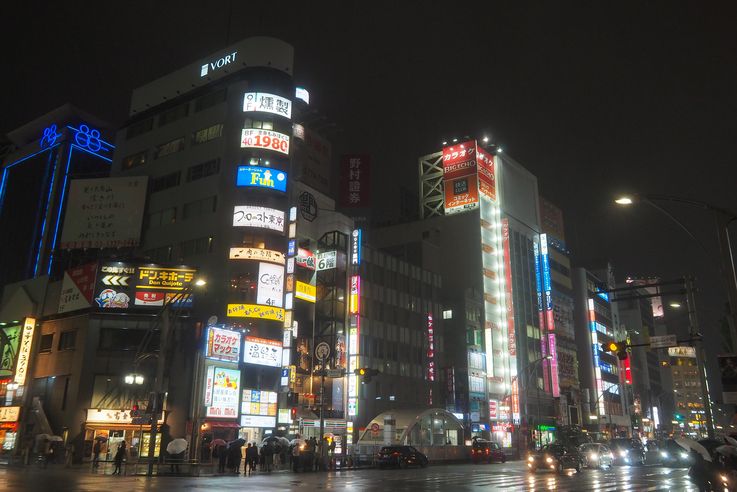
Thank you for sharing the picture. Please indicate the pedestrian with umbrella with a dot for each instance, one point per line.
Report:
(234, 455)
(176, 449)
(221, 453)
(119, 456)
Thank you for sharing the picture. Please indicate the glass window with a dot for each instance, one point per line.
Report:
(134, 160)
(210, 100)
(207, 134)
(46, 342)
(169, 148)
(67, 339)
(173, 114)
(139, 128)
(203, 170)
(164, 182)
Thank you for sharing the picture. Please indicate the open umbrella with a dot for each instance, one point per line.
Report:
(691, 445)
(730, 440)
(237, 443)
(727, 450)
(283, 441)
(176, 446)
(218, 442)
(55, 439)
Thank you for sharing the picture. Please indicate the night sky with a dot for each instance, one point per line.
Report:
(592, 97)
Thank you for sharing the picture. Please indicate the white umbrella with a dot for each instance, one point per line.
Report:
(176, 446)
(56, 439)
(727, 450)
(691, 445)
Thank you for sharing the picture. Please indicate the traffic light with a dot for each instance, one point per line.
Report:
(615, 348)
(678, 416)
(135, 411)
(293, 413)
(366, 373)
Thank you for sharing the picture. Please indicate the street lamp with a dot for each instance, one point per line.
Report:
(724, 218)
(161, 364)
(133, 378)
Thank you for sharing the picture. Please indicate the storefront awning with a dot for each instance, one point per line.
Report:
(223, 425)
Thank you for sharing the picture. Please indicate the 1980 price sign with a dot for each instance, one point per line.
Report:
(256, 138)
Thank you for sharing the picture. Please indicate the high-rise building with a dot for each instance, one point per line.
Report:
(689, 416)
(605, 380)
(40, 161)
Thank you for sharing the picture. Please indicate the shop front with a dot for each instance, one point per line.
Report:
(9, 417)
(111, 427)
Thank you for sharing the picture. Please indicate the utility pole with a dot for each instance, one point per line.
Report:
(158, 386)
(699, 349)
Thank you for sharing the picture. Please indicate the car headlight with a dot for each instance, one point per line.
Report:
(724, 478)
(530, 459)
(623, 453)
(548, 459)
(594, 456)
(684, 456)
(664, 454)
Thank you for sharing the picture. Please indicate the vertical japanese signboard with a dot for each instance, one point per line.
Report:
(24, 351)
(355, 180)
(460, 182)
(225, 392)
(223, 344)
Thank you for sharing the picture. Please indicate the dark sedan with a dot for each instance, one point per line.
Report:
(555, 457)
(672, 454)
(401, 457)
(627, 451)
(487, 452)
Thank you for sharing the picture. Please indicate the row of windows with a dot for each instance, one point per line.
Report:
(176, 113)
(173, 146)
(191, 209)
(67, 340)
(192, 247)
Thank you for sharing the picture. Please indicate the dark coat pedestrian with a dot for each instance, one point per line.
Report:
(251, 458)
(222, 455)
(234, 458)
(119, 456)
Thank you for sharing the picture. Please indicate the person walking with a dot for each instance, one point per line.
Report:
(222, 456)
(69, 455)
(119, 455)
(268, 455)
(251, 458)
(96, 449)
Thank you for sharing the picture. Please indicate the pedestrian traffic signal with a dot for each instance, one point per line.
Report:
(615, 348)
(366, 373)
(293, 413)
(135, 411)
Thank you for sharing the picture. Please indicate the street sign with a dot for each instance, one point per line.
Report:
(322, 351)
(663, 341)
(335, 373)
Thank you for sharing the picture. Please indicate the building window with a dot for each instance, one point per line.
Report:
(203, 170)
(173, 114)
(164, 182)
(67, 339)
(210, 100)
(134, 160)
(163, 217)
(139, 128)
(169, 148)
(448, 314)
(162, 254)
(199, 207)
(197, 246)
(46, 343)
(122, 339)
(265, 125)
(207, 134)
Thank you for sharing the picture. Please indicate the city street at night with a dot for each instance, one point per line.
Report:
(509, 476)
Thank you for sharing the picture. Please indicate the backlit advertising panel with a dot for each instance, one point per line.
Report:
(225, 388)
(257, 254)
(24, 351)
(261, 177)
(486, 173)
(261, 217)
(355, 180)
(305, 291)
(460, 183)
(267, 103)
(256, 138)
(255, 311)
(223, 344)
(262, 352)
(270, 285)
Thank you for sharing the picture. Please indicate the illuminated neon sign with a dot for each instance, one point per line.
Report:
(256, 138)
(267, 103)
(217, 64)
(261, 177)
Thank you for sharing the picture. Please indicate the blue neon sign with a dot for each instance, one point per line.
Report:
(261, 177)
(49, 137)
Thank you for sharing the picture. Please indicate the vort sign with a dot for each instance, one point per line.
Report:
(219, 63)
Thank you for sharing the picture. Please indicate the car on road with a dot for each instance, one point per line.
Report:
(556, 457)
(596, 455)
(671, 454)
(627, 451)
(401, 457)
(487, 452)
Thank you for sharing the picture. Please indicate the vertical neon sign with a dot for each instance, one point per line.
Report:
(595, 346)
(549, 318)
(354, 324)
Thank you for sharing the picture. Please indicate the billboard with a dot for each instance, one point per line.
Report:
(327, 260)
(313, 162)
(104, 213)
(728, 373)
(77, 288)
(355, 180)
(261, 217)
(261, 177)
(256, 138)
(126, 285)
(460, 181)
(9, 342)
(267, 103)
(270, 285)
(225, 385)
(24, 351)
(258, 408)
(262, 352)
(223, 344)
(255, 311)
(486, 173)
(257, 254)
(305, 258)
(305, 291)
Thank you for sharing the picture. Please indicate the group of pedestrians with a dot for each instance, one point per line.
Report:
(271, 455)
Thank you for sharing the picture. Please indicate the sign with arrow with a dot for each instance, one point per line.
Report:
(118, 280)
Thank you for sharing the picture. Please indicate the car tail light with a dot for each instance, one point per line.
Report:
(395, 453)
(487, 451)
